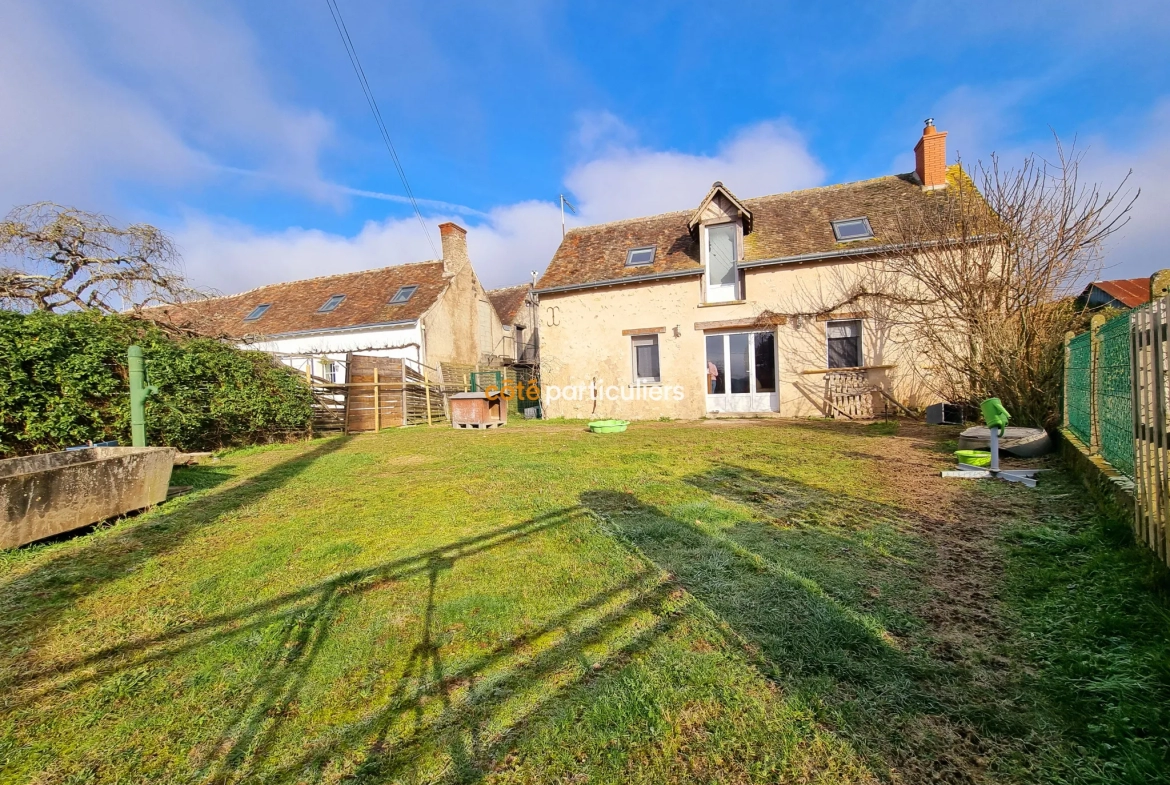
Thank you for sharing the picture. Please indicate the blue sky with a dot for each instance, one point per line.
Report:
(240, 128)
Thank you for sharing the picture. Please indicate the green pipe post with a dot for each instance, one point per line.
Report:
(138, 393)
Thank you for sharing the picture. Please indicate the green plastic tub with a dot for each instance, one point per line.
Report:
(974, 457)
(608, 426)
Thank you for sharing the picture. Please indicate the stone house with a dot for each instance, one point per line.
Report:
(516, 306)
(425, 313)
(719, 310)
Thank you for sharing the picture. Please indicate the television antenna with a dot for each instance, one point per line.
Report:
(565, 203)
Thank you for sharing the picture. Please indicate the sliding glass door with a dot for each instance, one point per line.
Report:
(741, 372)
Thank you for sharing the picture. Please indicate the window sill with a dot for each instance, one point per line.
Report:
(644, 384)
(854, 368)
(726, 302)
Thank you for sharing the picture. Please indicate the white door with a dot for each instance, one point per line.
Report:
(722, 271)
(741, 372)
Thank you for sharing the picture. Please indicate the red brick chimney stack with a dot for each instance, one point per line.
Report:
(454, 239)
(930, 157)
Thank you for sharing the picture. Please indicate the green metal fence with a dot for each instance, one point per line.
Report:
(1078, 387)
(1114, 398)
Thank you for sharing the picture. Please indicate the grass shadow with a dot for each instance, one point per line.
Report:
(433, 708)
(30, 601)
(790, 594)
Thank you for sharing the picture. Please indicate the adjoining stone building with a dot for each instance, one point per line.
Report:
(516, 306)
(690, 314)
(425, 313)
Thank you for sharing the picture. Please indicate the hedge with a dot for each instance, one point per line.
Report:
(63, 380)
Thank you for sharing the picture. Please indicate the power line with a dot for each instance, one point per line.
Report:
(339, 22)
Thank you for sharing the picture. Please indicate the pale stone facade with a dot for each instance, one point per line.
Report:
(587, 340)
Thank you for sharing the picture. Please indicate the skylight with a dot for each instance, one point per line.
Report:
(852, 229)
(403, 294)
(331, 304)
(639, 257)
(257, 312)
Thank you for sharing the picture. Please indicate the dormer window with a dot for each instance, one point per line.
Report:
(257, 312)
(403, 294)
(852, 229)
(640, 257)
(719, 226)
(721, 243)
(331, 304)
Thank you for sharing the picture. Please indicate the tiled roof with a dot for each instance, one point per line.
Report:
(784, 225)
(507, 301)
(294, 305)
(1131, 292)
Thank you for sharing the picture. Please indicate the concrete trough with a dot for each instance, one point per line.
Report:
(43, 495)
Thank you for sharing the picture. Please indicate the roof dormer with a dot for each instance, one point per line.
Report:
(720, 206)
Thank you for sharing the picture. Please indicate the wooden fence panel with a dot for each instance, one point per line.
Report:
(1151, 400)
(364, 390)
(1149, 384)
(1160, 315)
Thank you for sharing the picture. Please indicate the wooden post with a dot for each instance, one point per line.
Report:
(1159, 528)
(309, 381)
(1158, 395)
(1142, 381)
(1067, 337)
(1094, 375)
(377, 403)
(1135, 387)
(427, 392)
(405, 421)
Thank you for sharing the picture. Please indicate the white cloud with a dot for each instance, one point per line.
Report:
(514, 241)
(627, 182)
(1139, 248)
(601, 131)
(65, 130)
(97, 95)
(511, 240)
(229, 257)
(199, 66)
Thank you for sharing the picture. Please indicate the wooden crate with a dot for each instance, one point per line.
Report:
(478, 410)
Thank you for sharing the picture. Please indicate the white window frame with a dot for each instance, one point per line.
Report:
(653, 339)
(413, 287)
(840, 239)
(253, 316)
(325, 305)
(330, 369)
(860, 343)
(705, 256)
(653, 249)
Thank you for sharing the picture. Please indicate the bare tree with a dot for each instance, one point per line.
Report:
(981, 276)
(988, 274)
(63, 258)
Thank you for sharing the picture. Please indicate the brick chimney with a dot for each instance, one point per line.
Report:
(930, 157)
(454, 247)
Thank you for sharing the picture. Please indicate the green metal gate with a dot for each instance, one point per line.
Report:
(1078, 388)
(1114, 394)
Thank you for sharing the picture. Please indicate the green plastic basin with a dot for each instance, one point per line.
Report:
(608, 426)
(974, 457)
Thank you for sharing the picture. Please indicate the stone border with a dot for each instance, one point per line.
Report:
(1097, 475)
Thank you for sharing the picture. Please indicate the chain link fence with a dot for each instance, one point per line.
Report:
(1114, 394)
(1078, 387)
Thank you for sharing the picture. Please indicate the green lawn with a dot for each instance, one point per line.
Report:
(703, 602)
